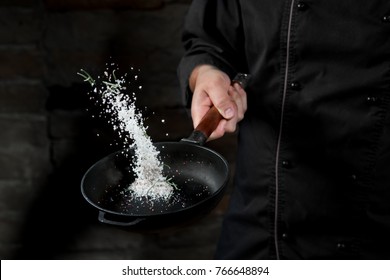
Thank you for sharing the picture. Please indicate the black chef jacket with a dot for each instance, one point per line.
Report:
(313, 163)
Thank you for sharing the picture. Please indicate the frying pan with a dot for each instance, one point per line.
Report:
(200, 174)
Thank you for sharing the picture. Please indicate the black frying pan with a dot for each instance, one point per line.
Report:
(201, 176)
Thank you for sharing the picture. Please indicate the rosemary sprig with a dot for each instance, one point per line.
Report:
(173, 184)
(86, 76)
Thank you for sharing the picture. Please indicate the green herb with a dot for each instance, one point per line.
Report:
(173, 184)
(86, 76)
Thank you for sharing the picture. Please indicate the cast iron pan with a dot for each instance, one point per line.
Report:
(201, 176)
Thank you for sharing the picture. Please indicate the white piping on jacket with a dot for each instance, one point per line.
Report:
(280, 132)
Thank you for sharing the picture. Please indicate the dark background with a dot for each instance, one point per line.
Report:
(49, 139)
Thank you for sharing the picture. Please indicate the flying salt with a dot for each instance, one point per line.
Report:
(149, 180)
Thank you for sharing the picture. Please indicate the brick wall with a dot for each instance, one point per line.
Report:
(49, 139)
(24, 145)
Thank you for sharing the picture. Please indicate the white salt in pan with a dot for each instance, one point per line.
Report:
(149, 181)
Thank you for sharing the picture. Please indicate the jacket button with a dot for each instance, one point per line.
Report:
(286, 164)
(295, 86)
(386, 18)
(373, 100)
(285, 236)
(341, 246)
(302, 6)
(354, 180)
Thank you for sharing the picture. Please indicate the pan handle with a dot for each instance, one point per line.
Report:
(212, 118)
(102, 218)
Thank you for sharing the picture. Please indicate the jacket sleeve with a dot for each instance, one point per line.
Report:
(212, 35)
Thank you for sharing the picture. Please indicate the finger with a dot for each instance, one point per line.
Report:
(238, 95)
(243, 96)
(217, 89)
(223, 102)
(219, 131)
(201, 103)
(236, 98)
(230, 126)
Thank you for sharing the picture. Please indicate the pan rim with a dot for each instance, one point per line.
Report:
(159, 214)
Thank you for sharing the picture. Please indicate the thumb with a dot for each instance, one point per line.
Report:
(226, 108)
(227, 113)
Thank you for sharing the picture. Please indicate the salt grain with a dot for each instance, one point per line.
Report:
(149, 179)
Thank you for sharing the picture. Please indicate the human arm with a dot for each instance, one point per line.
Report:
(213, 87)
(213, 41)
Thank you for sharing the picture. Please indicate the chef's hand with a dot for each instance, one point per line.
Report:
(211, 86)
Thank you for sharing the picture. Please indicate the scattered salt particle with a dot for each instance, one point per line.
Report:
(149, 180)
